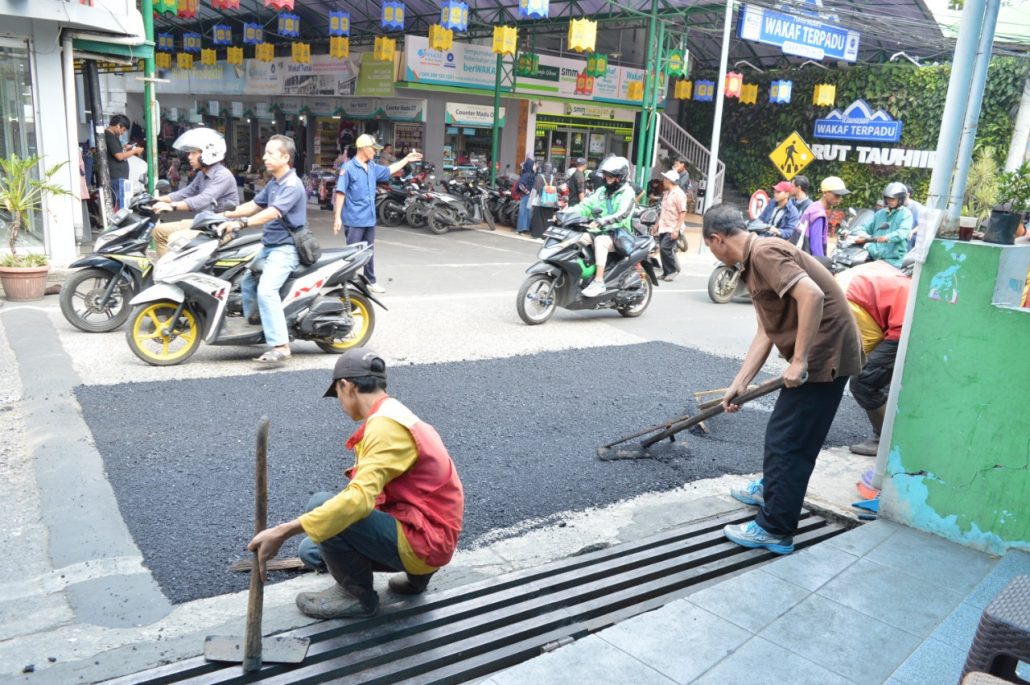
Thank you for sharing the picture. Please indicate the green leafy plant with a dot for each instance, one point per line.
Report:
(34, 259)
(22, 192)
(1014, 189)
(982, 184)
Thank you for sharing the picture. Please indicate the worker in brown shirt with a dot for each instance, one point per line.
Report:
(803, 312)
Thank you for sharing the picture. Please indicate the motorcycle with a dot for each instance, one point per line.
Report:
(327, 302)
(450, 211)
(416, 206)
(326, 188)
(849, 251)
(566, 267)
(390, 199)
(96, 298)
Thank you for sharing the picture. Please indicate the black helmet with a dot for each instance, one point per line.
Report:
(895, 190)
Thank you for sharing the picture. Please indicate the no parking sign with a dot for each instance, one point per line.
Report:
(759, 200)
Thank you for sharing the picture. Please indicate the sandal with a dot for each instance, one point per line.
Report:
(273, 356)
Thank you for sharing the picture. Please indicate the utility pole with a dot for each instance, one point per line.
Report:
(91, 82)
(713, 159)
(150, 112)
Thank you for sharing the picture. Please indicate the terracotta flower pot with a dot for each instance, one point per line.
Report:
(24, 282)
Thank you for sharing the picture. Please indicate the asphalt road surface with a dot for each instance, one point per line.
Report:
(522, 430)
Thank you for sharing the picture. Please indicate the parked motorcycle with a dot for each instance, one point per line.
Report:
(725, 282)
(450, 211)
(96, 298)
(327, 302)
(566, 267)
(390, 199)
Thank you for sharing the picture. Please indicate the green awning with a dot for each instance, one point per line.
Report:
(144, 51)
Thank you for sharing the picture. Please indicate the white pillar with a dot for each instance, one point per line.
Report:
(1021, 134)
(71, 120)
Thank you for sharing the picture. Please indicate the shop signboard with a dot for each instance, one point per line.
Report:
(590, 111)
(325, 75)
(480, 116)
(880, 156)
(473, 66)
(263, 78)
(797, 35)
(375, 77)
(403, 110)
(859, 122)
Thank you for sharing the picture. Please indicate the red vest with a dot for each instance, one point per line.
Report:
(428, 499)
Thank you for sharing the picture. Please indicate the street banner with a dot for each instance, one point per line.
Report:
(797, 35)
(859, 122)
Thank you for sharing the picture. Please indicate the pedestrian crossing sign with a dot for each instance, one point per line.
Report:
(791, 156)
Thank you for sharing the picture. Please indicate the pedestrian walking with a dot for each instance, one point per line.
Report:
(282, 208)
(544, 200)
(803, 313)
(525, 186)
(401, 511)
(118, 154)
(354, 205)
(671, 219)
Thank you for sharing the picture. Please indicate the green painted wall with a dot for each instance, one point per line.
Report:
(959, 459)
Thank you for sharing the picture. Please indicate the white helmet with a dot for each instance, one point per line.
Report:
(208, 141)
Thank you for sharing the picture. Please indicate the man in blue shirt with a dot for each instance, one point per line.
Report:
(281, 207)
(780, 214)
(354, 205)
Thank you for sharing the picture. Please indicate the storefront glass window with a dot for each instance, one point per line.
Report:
(18, 125)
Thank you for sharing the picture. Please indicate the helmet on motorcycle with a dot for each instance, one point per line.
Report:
(617, 168)
(896, 191)
(210, 143)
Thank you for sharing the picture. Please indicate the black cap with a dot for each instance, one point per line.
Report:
(356, 363)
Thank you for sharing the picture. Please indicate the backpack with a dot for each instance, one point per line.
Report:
(549, 194)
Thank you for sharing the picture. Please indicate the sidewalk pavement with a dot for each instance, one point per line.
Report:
(882, 603)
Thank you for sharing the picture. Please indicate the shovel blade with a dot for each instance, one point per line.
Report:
(274, 650)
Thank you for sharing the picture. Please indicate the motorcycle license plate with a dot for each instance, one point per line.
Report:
(558, 233)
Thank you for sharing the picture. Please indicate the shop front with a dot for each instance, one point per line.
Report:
(567, 131)
(468, 135)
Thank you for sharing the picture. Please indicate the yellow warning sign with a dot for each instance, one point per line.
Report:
(792, 155)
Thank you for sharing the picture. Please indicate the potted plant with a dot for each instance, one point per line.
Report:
(1014, 192)
(21, 192)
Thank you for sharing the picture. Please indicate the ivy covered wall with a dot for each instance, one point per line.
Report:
(913, 95)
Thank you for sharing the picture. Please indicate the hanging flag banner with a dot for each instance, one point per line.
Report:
(797, 35)
(859, 122)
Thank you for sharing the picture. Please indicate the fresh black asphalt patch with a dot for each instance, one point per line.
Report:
(522, 430)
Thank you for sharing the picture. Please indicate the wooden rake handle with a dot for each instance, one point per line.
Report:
(256, 596)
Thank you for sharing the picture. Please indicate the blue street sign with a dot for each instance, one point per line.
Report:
(797, 35)
(859, 122)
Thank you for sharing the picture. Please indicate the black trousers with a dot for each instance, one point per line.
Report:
(872, 385)
(795, 434)
(668, 252)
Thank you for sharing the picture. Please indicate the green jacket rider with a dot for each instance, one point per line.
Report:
(611, 208)
(891, 243)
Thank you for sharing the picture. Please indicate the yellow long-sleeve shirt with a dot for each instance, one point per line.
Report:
(386, 451)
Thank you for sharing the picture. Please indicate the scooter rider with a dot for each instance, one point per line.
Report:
(612, 205)
(213, 185)
(890, 227)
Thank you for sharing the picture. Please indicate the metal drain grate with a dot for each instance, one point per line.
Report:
(475, 630)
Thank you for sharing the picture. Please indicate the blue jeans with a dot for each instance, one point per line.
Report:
(522, 225)
(118, 193)
(357, 234)
(373, 537)
(280, 260)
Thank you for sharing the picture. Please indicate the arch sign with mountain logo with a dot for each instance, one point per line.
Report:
(859, 122)
(792, 155)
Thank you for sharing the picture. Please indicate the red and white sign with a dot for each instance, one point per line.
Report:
(759, 200)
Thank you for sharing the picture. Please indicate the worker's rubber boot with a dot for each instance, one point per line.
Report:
(409, 583)
(871, 445)
(352, 596)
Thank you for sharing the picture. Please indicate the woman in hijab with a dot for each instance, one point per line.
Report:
(545, 200)
(525, 185)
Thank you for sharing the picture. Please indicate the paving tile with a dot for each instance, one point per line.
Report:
(759, 661)
(812, 567)
(590, 660)
(949, 564)
(752, 600)
(893, 596)
(933, 662)
(959, 628)
(846, 642)
(1014, 563)
(862, 540)
(679, 640)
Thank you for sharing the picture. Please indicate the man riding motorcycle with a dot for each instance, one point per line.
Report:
(214, 186)
(889, 228)
(611, 207)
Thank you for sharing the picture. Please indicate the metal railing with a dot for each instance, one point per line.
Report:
(672, 136)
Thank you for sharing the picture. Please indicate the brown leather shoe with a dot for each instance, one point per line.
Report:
(409, 584)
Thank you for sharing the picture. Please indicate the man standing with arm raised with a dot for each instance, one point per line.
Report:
(803, 312)
(354, 205)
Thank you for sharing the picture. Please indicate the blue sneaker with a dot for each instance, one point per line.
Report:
(753, 536)
(753, 493)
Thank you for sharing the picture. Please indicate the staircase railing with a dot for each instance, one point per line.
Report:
(681, 143)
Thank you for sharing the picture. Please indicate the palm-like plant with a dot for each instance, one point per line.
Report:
(22, 192)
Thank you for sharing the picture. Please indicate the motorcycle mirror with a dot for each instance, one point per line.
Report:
(852, 213)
